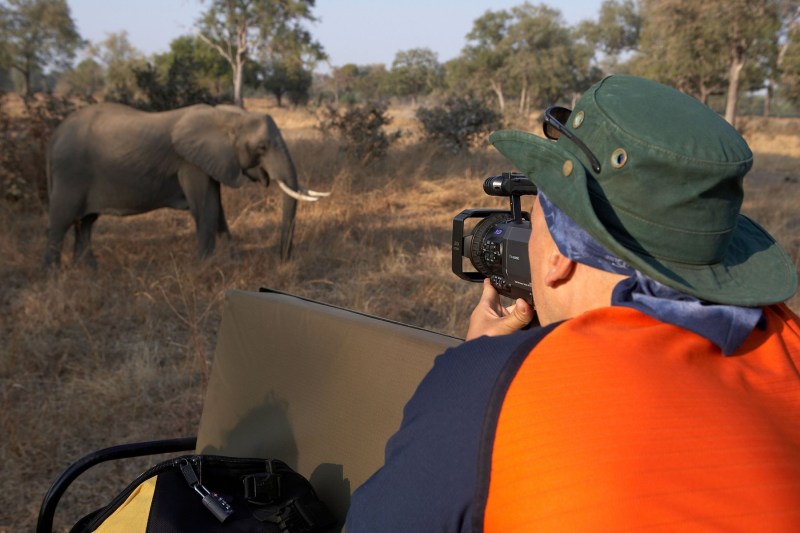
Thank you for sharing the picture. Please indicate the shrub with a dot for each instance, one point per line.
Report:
(362, 128)
(24, 134)
(179, 87)
(460, 123)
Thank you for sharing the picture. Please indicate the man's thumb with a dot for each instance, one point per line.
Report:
(521, 314)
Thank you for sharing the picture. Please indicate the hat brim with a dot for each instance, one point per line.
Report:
(755, 270)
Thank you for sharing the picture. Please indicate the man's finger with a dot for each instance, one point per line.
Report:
(521, 312)
(491, 298)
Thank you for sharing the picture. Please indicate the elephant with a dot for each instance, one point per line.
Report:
(113, 159)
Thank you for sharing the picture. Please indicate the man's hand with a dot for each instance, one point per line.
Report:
(490, 317)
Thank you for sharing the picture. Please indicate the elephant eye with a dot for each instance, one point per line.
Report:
(261, 148)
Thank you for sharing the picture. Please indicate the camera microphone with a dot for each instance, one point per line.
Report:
(508, 184)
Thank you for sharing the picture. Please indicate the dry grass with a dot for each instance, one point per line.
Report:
(90, 359)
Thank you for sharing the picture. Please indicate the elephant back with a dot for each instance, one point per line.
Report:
(113, 143)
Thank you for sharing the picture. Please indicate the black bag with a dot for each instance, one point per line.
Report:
(209, 493)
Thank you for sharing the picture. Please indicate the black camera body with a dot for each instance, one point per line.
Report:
(497, 246)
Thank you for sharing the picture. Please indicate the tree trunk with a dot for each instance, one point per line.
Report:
(237, 85)
(241, 59)
(523, 97)
(25, 73)
(497, 87)
(768, 99)
(737, 63)
(705, 93)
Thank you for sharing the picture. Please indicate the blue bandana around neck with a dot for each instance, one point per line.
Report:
(727, 326)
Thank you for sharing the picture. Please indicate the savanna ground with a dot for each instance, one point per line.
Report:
(93, 359)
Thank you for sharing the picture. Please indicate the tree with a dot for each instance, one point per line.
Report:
(120, 60)
(486, 58)
(545, 62)
(357, 83)
(288, 78)
(372, 82)
(703, 48)
(616, 31)
(344, 81)
(202, 63)
(290, 63)
(176, 88)
(752, 27)
(416, 72)
(528, 49)
(788, 61)
(676, 47)
(86, 79)
(240, 29)
(789, 16)
(38, 35)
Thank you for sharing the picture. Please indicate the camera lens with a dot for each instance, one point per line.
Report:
(487, 249)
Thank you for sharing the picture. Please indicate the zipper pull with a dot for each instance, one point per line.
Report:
(211, 500)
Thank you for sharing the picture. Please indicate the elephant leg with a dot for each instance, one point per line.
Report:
(55, 240)
(60, 219)
(83, 241)
(205, 204)
(222, 227)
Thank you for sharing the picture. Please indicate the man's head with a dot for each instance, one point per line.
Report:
(656, 178)
(563, 287)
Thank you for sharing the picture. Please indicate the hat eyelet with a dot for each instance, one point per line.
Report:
(566, 170)
(618, 158)
(578, 120)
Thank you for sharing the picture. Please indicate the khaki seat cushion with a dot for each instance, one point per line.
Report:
(319, 387)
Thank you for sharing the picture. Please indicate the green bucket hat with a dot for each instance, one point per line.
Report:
(668, 193)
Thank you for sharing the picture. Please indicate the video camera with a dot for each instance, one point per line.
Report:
(497, 246)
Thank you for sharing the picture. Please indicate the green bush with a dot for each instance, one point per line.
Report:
(459, 123)
(179, 87)
(361, 128)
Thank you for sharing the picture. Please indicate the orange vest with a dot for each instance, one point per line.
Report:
(618, 422)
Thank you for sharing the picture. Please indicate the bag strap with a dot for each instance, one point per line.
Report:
(263, 488)
(298, 515)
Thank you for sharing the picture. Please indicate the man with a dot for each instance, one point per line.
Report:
(661, 393)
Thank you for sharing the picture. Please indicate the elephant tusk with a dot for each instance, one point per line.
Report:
(309, 192)
(297, 195)
(316, 194)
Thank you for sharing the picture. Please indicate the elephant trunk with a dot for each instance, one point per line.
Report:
(287, 226)
(280, 167)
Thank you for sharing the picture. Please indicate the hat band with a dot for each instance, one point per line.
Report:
(667, 243)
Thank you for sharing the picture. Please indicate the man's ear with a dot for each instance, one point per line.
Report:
(560, 269)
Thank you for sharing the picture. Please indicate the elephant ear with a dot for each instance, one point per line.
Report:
(204, 137)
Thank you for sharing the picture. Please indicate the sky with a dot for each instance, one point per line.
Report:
(351, 31)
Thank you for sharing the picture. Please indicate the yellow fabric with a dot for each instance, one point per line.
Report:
(132, 515)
